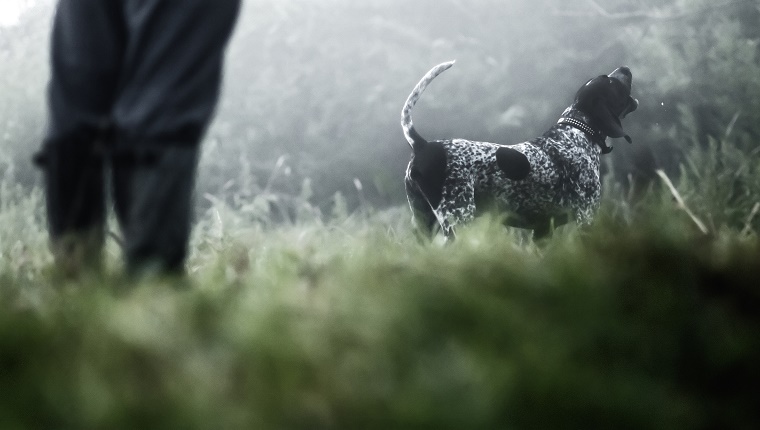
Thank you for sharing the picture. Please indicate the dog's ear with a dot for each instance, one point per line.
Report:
(606, 120)
(595, 99)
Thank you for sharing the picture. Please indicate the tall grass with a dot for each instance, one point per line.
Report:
(348, 321)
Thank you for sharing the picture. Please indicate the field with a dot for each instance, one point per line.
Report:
(643, 320)
(309, 301)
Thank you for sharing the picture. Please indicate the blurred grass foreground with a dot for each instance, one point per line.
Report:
(347, 321)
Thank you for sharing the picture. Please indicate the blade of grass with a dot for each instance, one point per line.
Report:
(681, 202)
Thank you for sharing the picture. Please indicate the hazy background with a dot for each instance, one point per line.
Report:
(314, 88)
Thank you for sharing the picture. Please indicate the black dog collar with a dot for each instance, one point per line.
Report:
(579, 125)
(596, 136)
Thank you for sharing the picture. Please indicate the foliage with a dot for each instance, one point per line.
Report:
(23, 50)
(348, 321)
(699, 63)
(310, 302)
(320, 84)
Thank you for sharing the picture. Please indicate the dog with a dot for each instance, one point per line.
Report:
(540, 184)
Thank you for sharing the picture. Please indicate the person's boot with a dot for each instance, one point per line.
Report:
(78, 252)
(153, 198)
(74, 194)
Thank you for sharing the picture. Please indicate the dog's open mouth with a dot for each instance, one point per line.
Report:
(633, 104)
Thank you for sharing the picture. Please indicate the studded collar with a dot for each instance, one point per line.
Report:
(579, 120)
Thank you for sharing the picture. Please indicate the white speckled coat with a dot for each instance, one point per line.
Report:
(564, 176)
(544, 181)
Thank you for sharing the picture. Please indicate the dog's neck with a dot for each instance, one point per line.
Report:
(577, 119)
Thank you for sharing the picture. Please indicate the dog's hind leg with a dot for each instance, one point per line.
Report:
(423, 216)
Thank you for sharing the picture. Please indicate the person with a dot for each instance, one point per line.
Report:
(133, 86)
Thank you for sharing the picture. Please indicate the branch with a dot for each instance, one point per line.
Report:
(600, 12)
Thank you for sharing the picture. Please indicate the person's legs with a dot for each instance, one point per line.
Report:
(86, 51)
(154, 206)
(172, 68)
(172, 78)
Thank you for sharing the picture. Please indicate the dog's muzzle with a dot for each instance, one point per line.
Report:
(624, 76)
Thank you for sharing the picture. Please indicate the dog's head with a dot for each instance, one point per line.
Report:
(607, 99)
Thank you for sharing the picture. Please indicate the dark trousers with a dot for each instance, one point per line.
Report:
(134, 84)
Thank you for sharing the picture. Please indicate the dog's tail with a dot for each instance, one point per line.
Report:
(414, 139)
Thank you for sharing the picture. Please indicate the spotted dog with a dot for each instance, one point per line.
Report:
(544, 182)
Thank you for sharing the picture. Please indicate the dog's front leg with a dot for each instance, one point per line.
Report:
(584, 215)
(457, 207)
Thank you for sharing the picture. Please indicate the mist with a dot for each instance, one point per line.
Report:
(313, 89)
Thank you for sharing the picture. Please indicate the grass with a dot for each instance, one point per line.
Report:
(641, 321)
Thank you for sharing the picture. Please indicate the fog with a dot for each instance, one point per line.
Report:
(313, 89)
